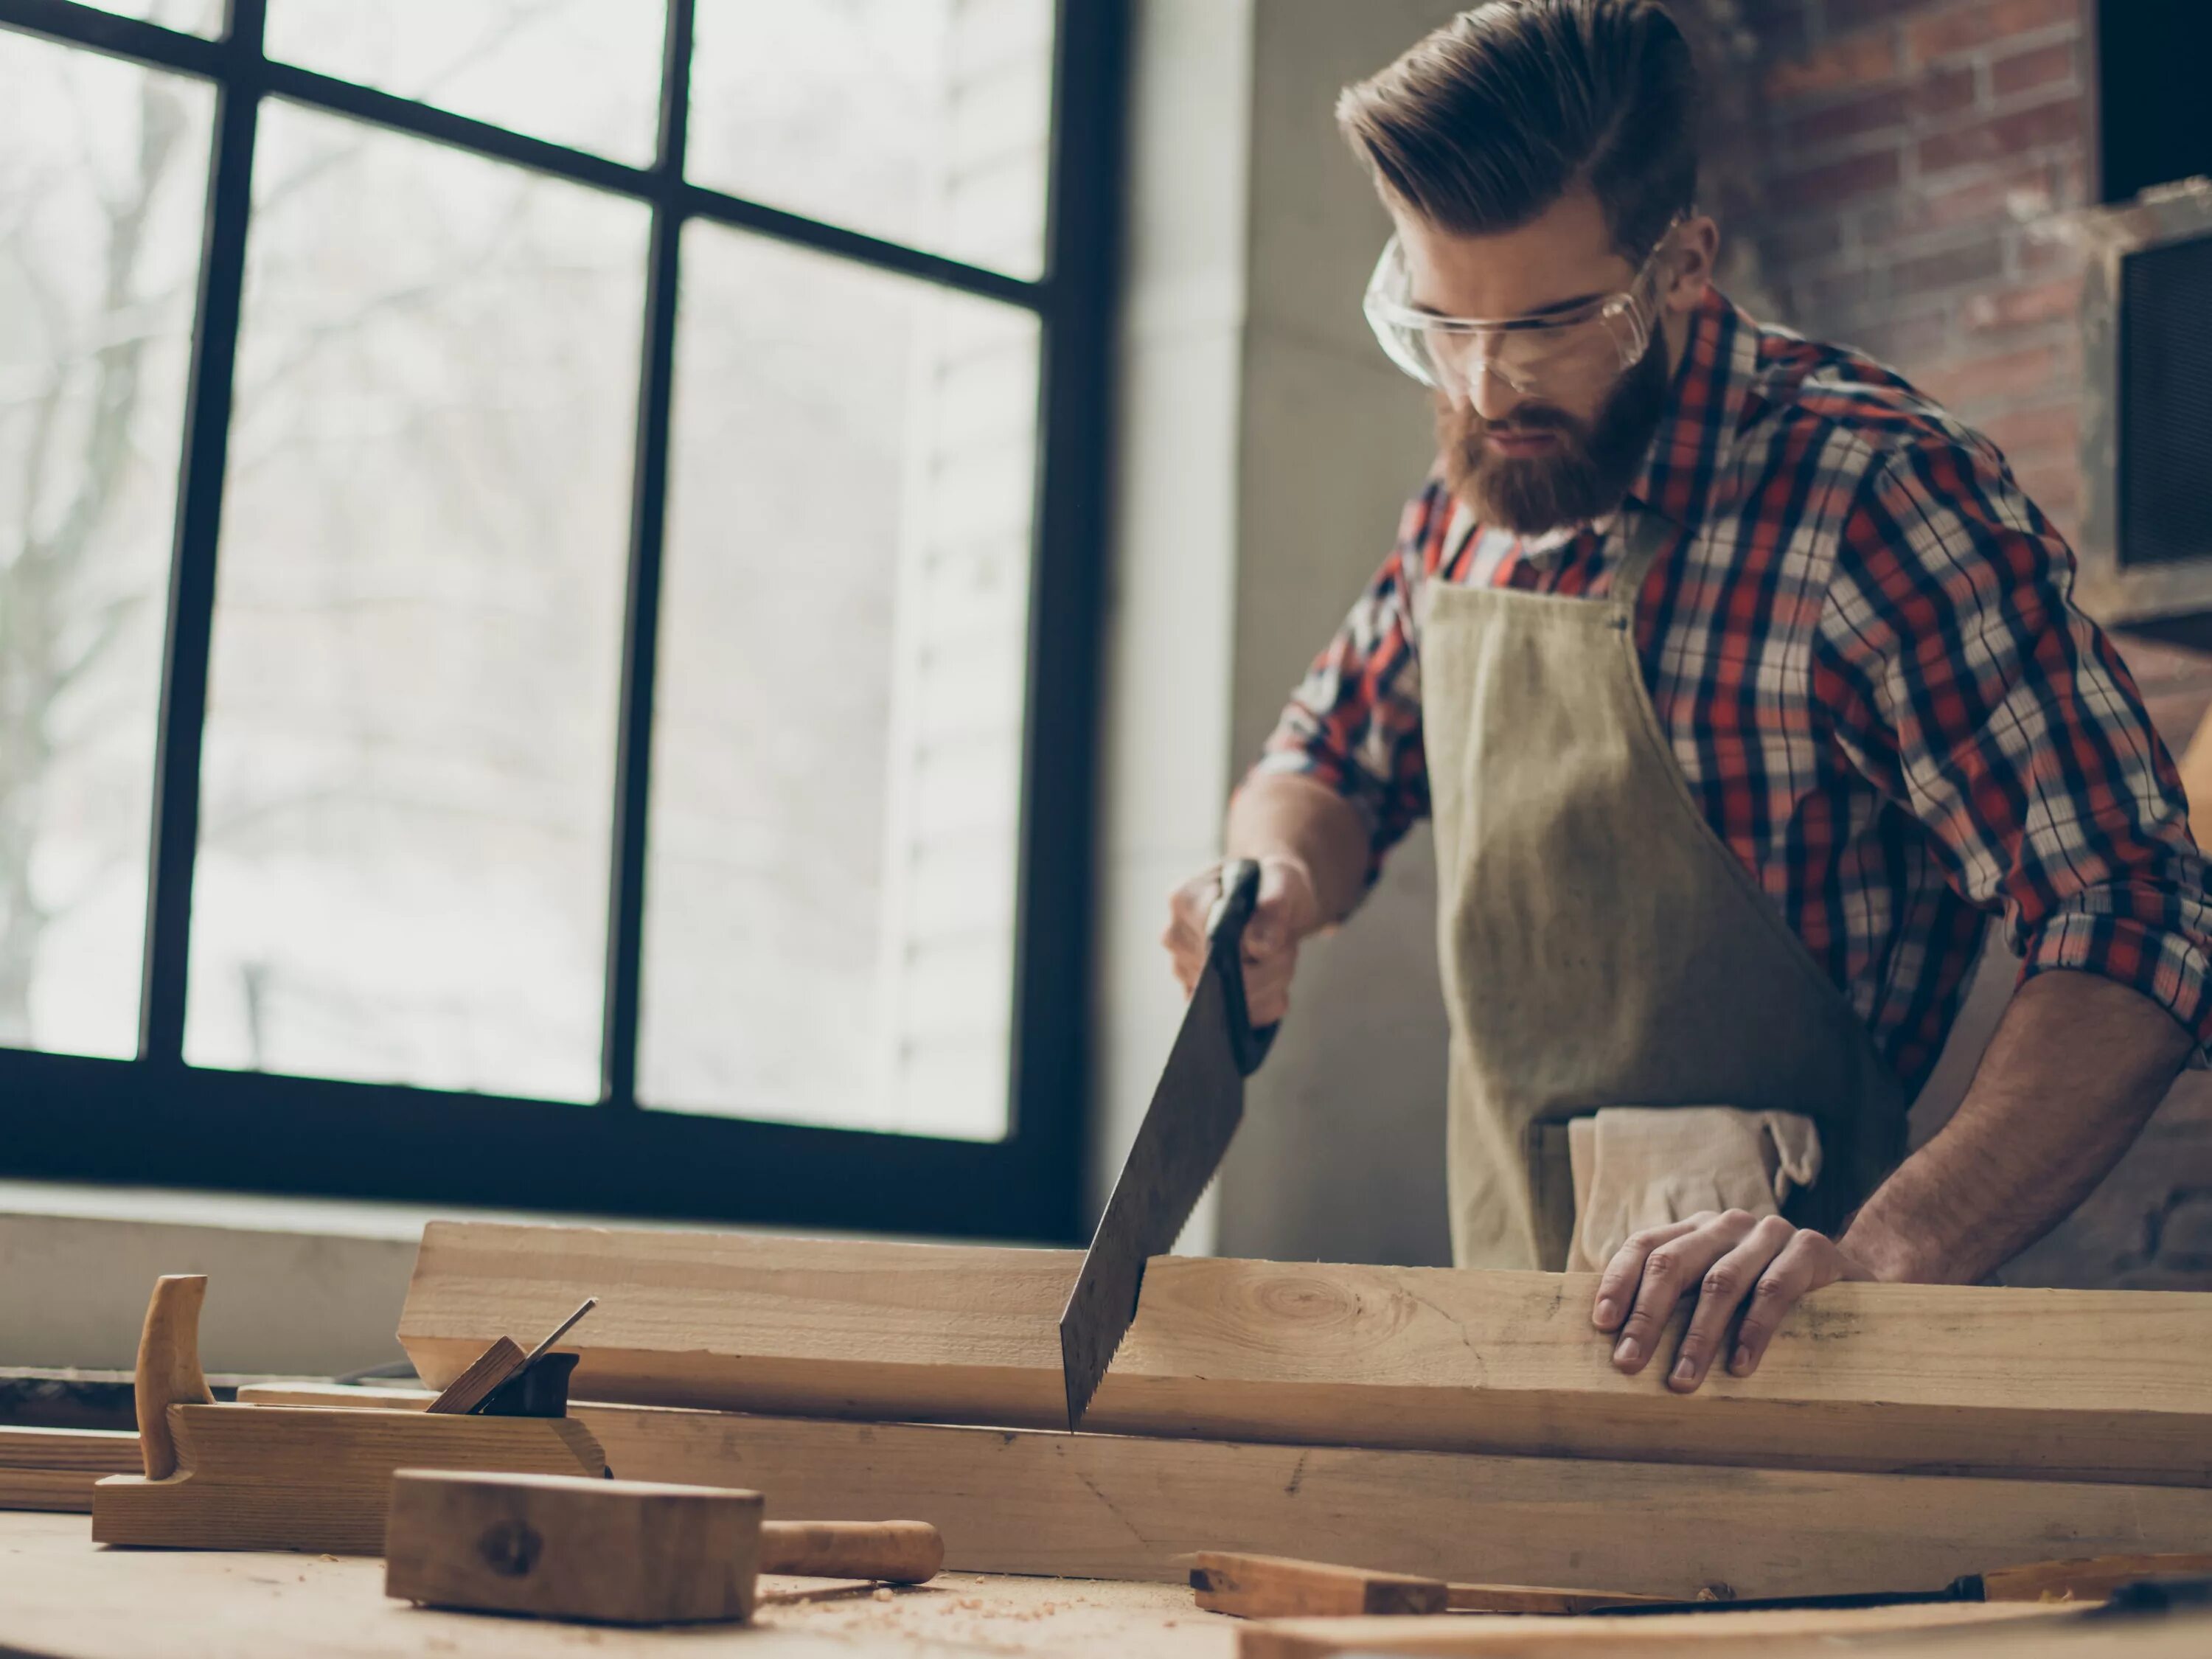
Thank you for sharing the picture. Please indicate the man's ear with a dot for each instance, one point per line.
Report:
(1690, 264)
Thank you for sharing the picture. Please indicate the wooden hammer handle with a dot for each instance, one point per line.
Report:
(897, 1551)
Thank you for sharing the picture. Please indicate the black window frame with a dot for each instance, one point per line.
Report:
(156, 1120)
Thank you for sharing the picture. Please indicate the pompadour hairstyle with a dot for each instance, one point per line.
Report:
(1481, 126)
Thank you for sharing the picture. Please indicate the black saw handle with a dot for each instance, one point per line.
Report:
(1225, 937)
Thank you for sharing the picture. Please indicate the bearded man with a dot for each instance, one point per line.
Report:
(1744, 686)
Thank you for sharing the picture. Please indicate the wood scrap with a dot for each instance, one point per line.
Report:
(2090, 1580)
(1278, 1587)
(1109, 1506)
(168, 1370)
(1478, 1637)
(55, 1469)
(2079, 1385)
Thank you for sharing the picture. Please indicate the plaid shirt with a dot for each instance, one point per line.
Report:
(1866, 658)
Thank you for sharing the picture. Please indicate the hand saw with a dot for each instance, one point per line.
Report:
(1195, 1112)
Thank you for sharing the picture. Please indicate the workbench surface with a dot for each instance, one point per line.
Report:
(63, 1597)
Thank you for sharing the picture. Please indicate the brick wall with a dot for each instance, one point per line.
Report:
(1916, 153)
(1895, 182)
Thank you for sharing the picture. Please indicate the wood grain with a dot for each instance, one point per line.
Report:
(168, 1366)
(1278, 1587)
(558, 1546)
(55, 1469)
(889, 1552)
(1109, 1506)
(494, 1366)
(2008, 1383)
(1626, 1638)
(261, 1477)
(2093, 1580)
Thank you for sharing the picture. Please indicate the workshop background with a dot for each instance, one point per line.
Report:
(570, 650)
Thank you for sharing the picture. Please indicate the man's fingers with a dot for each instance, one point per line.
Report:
(1267, 986)
(1807, 1262)
(1616, 1285)
(1185, 934)
(1721, 1292)
(1670, 1272)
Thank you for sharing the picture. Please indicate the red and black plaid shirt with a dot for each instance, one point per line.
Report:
(1864, 652)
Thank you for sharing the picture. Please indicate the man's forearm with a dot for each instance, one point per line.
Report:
(2077, 1065)
(1287, 815)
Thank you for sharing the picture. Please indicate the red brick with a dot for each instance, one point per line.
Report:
(2046, 429)
(1979, 262)
(2053, 484)
(2059, 122)
(2026, 71)
(1805, 243)
(1997, 202)
(1822, 300)
(1839, 181)
(2018, 307)
(1855, 60)
(1905, 342)
(2005, 376)
(1942, 92)
(1873, 112)
(1963, 28)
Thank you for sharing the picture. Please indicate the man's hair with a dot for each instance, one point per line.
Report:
(1482, 126)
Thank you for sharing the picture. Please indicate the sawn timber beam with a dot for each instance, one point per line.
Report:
(2076, 1385)
(1118, 1506)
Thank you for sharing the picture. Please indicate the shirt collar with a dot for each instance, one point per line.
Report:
(1706, 404)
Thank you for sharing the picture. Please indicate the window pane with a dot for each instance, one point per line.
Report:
(583, 73)
(922, 121)
(192, 16)
(103, 181)
(408, 774)
(838, 718)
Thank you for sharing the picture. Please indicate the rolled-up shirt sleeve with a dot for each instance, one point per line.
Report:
(1966, 685)
(1354, 722)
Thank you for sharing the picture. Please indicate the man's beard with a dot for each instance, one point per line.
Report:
(1591, 466)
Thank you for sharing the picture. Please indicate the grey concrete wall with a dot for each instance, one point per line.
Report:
(1266, 449)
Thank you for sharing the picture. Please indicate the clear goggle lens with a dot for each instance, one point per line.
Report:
(1528, 353)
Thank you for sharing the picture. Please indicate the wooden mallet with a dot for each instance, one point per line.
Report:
(620, 1552)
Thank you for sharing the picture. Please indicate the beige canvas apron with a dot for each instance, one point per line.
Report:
(1601, 946)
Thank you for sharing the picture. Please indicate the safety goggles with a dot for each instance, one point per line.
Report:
(1528, 354)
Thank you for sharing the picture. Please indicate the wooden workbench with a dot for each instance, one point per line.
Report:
(61, 1597)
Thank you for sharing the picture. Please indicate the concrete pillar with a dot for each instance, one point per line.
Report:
(1266, 449)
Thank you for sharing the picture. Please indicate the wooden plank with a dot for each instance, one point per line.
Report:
(558, 1546)
(290, 1478)
(1110, 1506)
(2010, 1384)
(1601, 1638)
(56, 1468)
(62, 1490)
(2088, 1581)
(101, 1451)
(1277, 1587)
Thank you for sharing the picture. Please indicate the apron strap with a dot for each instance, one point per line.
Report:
(1651, 535)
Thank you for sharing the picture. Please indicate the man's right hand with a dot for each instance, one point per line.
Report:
(1288, 910)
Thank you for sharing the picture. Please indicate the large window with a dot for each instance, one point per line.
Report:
(548, 577)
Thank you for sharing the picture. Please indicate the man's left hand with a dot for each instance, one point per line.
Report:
(1730, 1261)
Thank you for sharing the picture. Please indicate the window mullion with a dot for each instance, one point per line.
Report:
(192, 563)
(641, 619)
